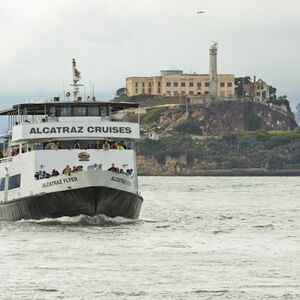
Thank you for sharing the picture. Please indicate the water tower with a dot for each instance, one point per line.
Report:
(213, 75)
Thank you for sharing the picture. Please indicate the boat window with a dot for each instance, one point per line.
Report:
(14, 182)
(79, 111)
(66, 111)
(93, 111)
(2, 183)
(103, 111)
(52, 111)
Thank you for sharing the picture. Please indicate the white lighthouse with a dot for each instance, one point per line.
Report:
(213, 76)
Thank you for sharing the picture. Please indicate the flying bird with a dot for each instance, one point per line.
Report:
(201, 12)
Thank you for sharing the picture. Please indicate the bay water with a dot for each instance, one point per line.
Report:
(196, 238)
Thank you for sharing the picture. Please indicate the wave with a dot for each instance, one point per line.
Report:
(83, 220)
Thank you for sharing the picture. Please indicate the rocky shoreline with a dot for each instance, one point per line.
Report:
(232, 173)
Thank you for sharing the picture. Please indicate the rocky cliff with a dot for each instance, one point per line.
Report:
(222, 135)
(216, 118)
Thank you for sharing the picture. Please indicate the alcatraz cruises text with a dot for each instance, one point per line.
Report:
(80, 129)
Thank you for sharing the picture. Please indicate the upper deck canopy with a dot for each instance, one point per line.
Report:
(44, 107)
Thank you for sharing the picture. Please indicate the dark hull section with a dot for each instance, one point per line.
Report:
(88, 201)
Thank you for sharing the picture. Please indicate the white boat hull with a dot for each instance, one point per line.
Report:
(89, 192)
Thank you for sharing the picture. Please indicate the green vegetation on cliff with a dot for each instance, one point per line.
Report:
(224, 134)
(256, 149)
(251, 120)
(189, 126)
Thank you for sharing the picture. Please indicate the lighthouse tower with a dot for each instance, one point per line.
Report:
(213, 76)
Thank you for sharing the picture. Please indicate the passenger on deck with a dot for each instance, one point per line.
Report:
(123, 145)
(67, 170)
(40, 175)
(106, 146)
(15, 151)
(74, 169)
(45, 174)
(37, 175)
(113, 168)
(1, 154)
(131, 173)
(76, 145)
(54, 173)
(79, 168)
(113, 145)
(120, 146)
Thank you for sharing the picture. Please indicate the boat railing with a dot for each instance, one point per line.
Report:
(6, 159)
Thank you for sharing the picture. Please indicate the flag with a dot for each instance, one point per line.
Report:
(77, 73)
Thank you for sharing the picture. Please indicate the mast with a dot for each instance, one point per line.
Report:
(76, 78)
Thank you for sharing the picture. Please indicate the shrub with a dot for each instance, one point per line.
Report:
(189, 126)
(153, 115)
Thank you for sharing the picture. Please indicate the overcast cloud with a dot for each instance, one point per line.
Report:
(114, 39)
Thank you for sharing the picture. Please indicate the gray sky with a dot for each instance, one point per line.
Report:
(114, 39)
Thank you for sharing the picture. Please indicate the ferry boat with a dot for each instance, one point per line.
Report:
(67, 158)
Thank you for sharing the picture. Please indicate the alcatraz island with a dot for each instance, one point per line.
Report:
(212, 124)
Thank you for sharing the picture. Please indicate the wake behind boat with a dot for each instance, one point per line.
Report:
(66, 158)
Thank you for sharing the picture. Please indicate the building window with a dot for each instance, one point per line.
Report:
(229, 84)
(158, 83)
(136, 91)
(149, 91)
(206, 93)
(206, 84)
(149, 84)
(182, 84)
(198, 85)
(183, 93)
(136, 84)
(199, 93)
(143, 84)
(191, 93)
(158, 90)
(175, 84)
(168, 84)
(222, 84)
(191, 84)
(14, 182)
(143, 91)
(176, 93)
(257, 93)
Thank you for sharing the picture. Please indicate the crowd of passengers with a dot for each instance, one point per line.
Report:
(14, 151)
(68, 171)
(105, 145)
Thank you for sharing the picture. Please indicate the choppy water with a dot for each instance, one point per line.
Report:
(197, 238)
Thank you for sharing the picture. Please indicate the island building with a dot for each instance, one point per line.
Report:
(178, 83)
(258, 90)
(201, 87)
